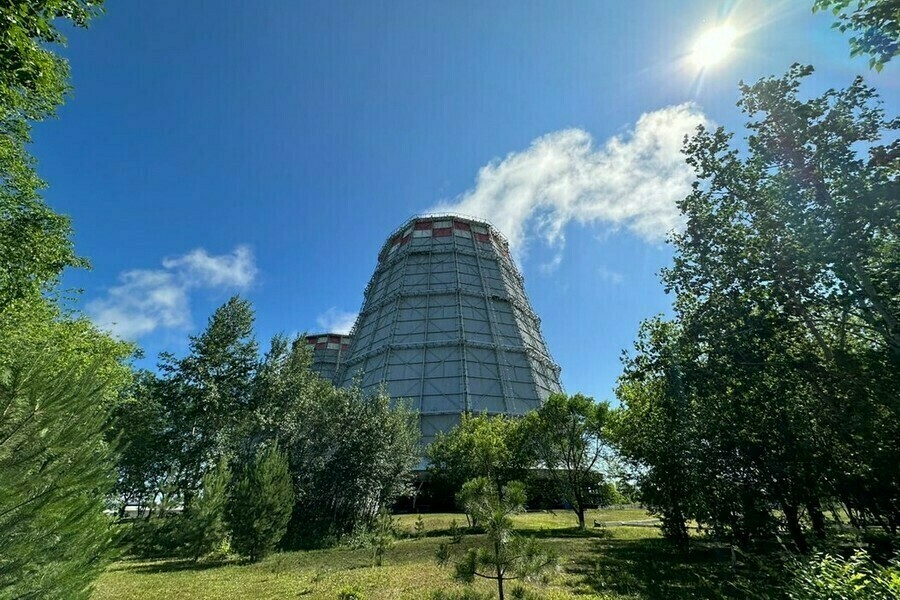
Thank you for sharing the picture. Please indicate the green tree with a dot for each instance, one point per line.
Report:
(876, 23)
(480, 446)
(35, 242)
(654, 428)
(55, 469)
(776, 383)
(350, 455)
(204, 522)
(508, 556)
(209, 392)
(568, 437)
(260, 506)
(146, 461)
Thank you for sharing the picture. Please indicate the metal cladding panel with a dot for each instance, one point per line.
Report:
(328, 353)
(446, 324)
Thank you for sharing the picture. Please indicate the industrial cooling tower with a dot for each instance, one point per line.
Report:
(328, 353)
(446, 324)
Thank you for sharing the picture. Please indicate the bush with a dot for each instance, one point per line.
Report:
(825, 576)
(351, 592)
(260, 505)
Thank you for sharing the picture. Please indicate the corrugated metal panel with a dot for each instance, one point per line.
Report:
(446, 323)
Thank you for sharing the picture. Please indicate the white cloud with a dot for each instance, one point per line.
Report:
(336, 321)
(202, 270)
(632, 181)
(149, 299)
(610, 276)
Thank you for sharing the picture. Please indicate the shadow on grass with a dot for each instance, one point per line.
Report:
(655, 569)
(170, 566)
(566, 532)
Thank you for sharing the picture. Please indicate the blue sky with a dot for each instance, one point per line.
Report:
(269, 148)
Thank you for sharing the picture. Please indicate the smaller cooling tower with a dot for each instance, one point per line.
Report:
(446, 324)
(329, 350)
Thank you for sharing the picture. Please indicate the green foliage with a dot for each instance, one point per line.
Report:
(35, 242)
(876, 23)
(480, 446)
(508, 556)
(55, 469)
(205, 527)
(140, 422)
(776, 384)
(384, 533)
(826, 576)
(208, 393)
(260, 505)
(456, 532)
(351, 592)
(419, 527)
(350, 454)
(567, 437)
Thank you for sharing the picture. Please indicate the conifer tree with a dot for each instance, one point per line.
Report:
(260, 505)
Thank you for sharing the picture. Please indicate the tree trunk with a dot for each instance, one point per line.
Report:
(580, 512)
(818, 519)
(792, 517)
(500, 584)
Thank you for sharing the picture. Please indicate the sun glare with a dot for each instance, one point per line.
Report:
(713, 46)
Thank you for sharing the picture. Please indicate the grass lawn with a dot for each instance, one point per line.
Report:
(613, 562)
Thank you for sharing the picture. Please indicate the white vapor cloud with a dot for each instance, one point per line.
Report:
(633, 181)
(148, 299)
(336, 321)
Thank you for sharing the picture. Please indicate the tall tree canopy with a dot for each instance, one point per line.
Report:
(777, 384)
(35, 241)
(876, 24)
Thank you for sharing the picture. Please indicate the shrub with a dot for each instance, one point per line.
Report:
(260, 505)
(456, 532)
(825, 576)
(419, 529)
(351, 592)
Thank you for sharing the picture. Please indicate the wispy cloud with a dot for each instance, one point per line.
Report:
(633, 181)
(336, 321)
(610, 276)
(149, 299)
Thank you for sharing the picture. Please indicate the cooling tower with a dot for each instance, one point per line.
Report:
(446, 324)
(328, 352)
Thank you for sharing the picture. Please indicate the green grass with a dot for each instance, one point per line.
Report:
(613, 562)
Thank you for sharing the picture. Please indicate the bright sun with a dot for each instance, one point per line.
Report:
(713, 46)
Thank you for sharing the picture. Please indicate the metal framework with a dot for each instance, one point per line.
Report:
(328, 352)
(446, 323)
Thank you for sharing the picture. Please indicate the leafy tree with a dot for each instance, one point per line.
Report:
(776, 383)
(508, 556)
(35, 242)
(654, 428)
(350, 455)
(260, 505)
(568, 437)
(146, 461)
(204, 522)
(480, 446)
(876, 22)
(209, 392)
